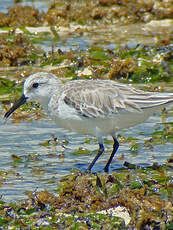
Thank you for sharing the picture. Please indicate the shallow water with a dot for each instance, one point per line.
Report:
(40, 166)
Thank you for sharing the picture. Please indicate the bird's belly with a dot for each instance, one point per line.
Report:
(85, 126)
(100, 126)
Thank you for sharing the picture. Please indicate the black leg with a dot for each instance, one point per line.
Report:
(100, 151)
(115, 148)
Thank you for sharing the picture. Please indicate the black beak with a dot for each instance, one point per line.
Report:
(16, 105)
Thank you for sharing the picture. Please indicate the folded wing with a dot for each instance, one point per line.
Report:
(95, 99)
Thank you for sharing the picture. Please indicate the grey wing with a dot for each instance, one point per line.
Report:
(100, 100)
(145, 100)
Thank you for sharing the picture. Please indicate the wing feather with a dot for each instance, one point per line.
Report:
(95, 99)
(98, 98)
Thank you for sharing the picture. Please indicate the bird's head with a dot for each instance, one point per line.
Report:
(37, 87)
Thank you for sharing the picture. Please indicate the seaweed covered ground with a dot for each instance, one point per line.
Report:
(144, 194)
(88, 12)
(80, 198)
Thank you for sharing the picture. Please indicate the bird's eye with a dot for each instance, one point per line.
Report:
(35, 85)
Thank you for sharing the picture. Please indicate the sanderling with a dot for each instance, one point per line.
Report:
(93, 107)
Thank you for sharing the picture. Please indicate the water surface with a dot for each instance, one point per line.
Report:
(40, 166)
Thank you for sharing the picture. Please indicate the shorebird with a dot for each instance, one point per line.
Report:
(92, 107)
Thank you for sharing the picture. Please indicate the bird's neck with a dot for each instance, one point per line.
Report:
(50, 92)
